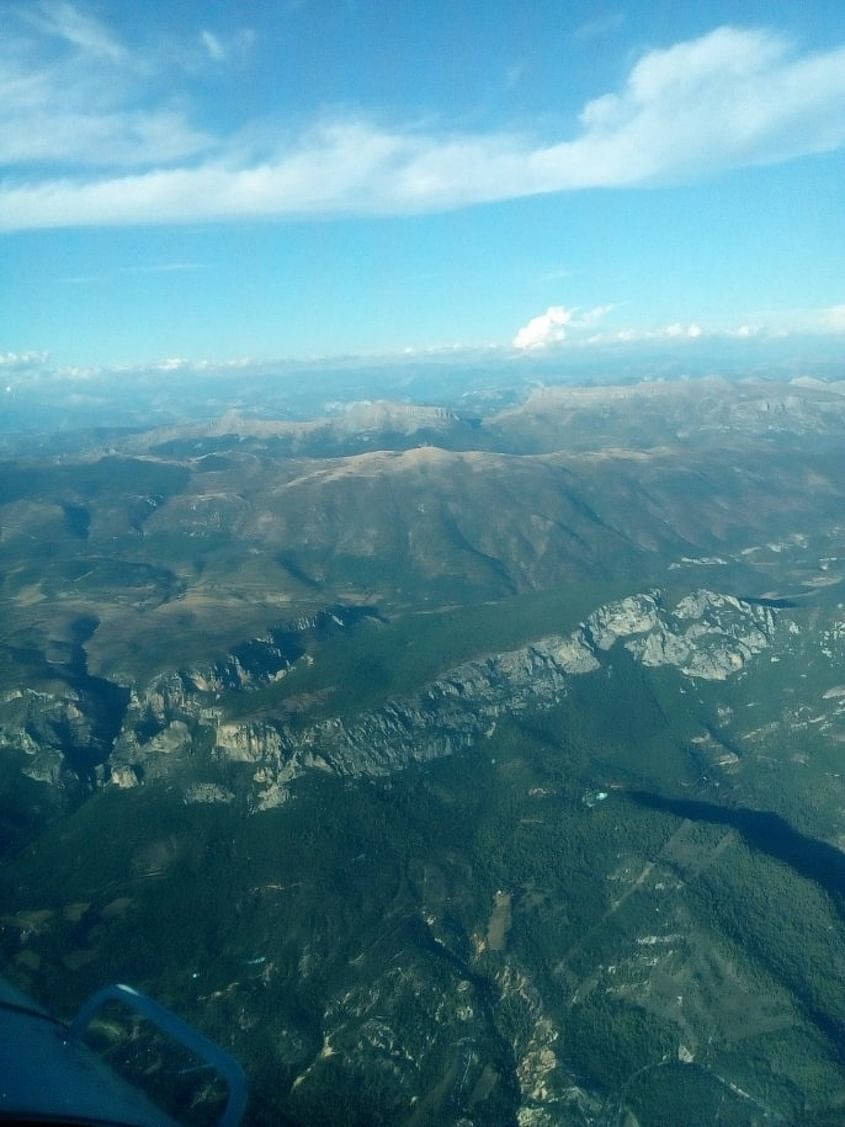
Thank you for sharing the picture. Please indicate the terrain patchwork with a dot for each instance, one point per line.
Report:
(477, 769)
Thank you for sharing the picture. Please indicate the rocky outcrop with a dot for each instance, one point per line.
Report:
(706, 635)
(252, 665)
(175, 728)
(62, 735)
(77, 729)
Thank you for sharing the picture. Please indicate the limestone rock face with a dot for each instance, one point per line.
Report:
(174, 728)
(208, 793)
(638, 614)
(124, 778)
(56, 731)
(707, 635)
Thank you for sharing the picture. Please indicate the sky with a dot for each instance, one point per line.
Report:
(232, 181)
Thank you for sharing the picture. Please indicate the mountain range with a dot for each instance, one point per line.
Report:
(477, 768)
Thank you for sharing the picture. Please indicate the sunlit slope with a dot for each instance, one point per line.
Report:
(625, 899)
(473, 771)
(209, 551)
(695, 413)
(539, 419)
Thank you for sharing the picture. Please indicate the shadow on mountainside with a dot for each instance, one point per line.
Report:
(770, 833)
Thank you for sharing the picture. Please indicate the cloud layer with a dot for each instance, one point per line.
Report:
(551, 335)
(731, 98)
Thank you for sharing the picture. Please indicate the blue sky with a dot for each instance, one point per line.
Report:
(289, 178)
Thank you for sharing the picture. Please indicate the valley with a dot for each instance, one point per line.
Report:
(449, 769)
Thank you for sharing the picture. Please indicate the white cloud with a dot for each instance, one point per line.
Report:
(559, 324)
(81, 30)
(22, 361)
(86, 106)
(600, 26)
(548, 328)
(678, 331)
(590, 317)
(731, 98)
(222, 50)
(29, 369)
(77, 136)
(552, 326)
(173, 364)
(229, 49)
(212, 44)
(181, 364)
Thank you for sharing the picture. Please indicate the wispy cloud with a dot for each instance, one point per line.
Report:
(809, 320)
(164, 268)
(212, 44)
(513, 75)
(600, 25)
(222, 49)
(110, 275)
(83, 279)
(84, 105)
(556, 275)
(77, 136)
(80, 29)
(728, 99)
(586, 318)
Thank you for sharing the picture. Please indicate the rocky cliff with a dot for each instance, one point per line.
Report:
(174, 727)
(706, 635)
